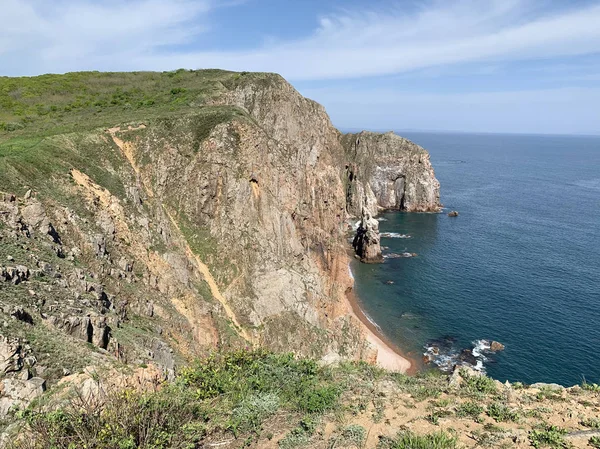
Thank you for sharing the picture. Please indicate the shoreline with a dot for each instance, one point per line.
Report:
(389, 355)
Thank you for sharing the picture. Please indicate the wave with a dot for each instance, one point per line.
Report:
(350, 272)
(593, 184)
(398, 256)
(444, 354)
(372, 321)
(395, 235)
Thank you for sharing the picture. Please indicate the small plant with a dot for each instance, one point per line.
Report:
(594, 442)
(354, 435)
(594, 423)
(550, 436)
(595, 388)
(502, 413)
(410, 440)
(478, 384)
(469, 409)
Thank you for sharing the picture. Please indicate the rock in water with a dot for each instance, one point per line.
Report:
(496, 346)
(453, 214)
(366, 242)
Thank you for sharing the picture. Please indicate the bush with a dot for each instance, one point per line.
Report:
(502, 413)
(550, 436)
(594, 442)
(479, 384)
(469, 409)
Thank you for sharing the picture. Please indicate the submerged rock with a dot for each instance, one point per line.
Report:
(453, 214)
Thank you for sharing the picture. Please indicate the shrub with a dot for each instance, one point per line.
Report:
(594, 442)
(550, 436)
(502, 413)
(469, 409)
(354, 435)
(478, 384)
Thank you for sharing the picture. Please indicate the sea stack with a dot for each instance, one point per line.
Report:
(366, 241)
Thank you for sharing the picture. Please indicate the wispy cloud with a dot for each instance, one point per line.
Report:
(363, 43)
(109, 34)
(63, 35)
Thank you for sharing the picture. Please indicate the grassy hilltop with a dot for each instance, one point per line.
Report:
(54, 104)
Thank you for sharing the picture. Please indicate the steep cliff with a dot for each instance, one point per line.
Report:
(386, 171)
(212, 214)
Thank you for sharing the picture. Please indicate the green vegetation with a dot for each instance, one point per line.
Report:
(478, 385)
(502, 413)
(56, 104)
(409, 440)
(233, 392)
(594, 442)
(594, 423)
(549, 436)
(469, 409)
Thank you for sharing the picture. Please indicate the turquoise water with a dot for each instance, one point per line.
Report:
(520, 265)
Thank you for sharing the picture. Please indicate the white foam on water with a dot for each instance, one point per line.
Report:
(350, 272)
(447, 358)
(372, 322)
(382, 219)
(593, 184)
(394, 235)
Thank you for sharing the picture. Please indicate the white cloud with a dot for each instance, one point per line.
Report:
(38, 36)
(64, 35)
(362, 43)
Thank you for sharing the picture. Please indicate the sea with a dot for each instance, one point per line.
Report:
(520, 264)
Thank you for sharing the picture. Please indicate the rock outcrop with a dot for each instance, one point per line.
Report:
(386, 171)
(366, 241)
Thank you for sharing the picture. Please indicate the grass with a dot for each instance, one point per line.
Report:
(594, 442)
(410, 440)
(56, 104)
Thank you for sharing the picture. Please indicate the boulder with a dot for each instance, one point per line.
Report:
(496, 346)
(453, 214)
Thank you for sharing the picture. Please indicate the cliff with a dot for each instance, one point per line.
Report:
(159, 216)
(386, 171)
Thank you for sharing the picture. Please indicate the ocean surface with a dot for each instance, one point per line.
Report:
(519, 265)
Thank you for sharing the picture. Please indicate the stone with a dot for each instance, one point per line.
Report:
(366, 241)
(496, 346)
(27, 195)
(453, 214)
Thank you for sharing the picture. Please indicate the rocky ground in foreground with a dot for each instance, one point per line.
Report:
(264, 400)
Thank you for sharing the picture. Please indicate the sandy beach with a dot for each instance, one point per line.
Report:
(388, 355)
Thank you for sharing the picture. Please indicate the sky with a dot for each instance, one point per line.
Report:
(519, 66)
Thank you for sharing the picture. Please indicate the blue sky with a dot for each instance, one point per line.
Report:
(527, 66)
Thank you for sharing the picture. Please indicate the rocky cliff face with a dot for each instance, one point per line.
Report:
(157, 240)
(366, 241)
(386, 171)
